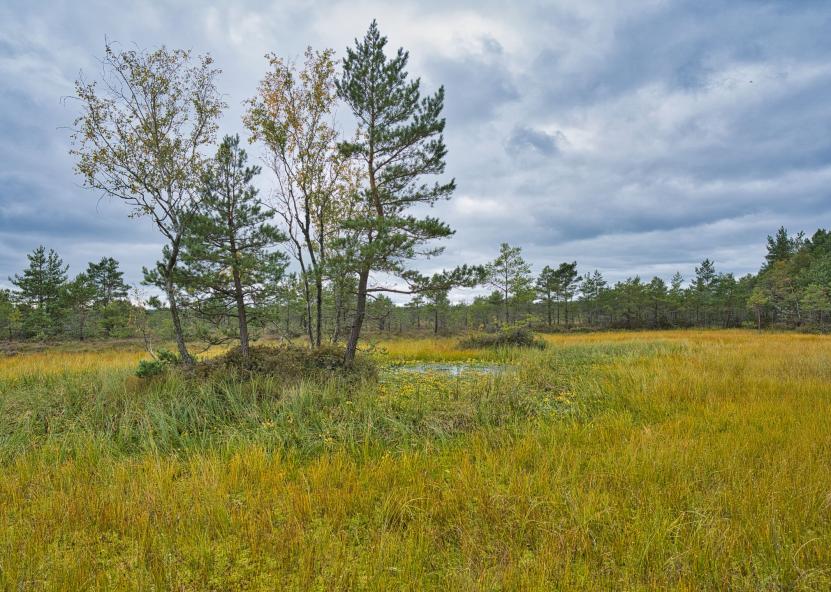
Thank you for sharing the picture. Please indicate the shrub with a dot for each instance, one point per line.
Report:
(509, 337)
(167, 357)
(287, 361)
(150, 368)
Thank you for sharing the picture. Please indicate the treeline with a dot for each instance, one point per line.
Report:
(791, 290)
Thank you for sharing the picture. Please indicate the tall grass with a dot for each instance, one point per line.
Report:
(678, 460)
(176, 413)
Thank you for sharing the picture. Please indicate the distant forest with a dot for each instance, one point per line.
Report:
(791, 290)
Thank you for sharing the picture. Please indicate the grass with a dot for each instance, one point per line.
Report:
(681, 460)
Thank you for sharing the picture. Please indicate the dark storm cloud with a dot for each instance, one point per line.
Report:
(477, 85)
(635, 137)
(523, 140)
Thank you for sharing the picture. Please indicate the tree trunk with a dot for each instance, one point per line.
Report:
(338, 312)
(307, 316)
(177, 324)
(184, 355)
(360, 313)
(319, 311)
(241, 316)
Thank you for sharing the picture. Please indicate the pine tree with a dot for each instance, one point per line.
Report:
(780, 247)
(657, 289)
(704, 285)
(40, 290)
(817, 299)
(547, 289)
(8, 313)
(230, 265)
(399, 141)
(435, 289)
(80, 296)
(591, 290)
(675, 295)
(108, 281)
(566, 281)
(509, 274)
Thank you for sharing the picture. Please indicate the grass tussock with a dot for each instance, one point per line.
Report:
(509, 337)
(684, 460)
(287, 362)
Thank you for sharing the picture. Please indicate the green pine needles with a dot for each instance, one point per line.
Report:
(231, 269)
(399, 141)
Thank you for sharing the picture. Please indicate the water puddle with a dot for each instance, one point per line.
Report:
(450, 369)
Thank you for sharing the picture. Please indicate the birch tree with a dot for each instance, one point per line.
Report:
(140, 137)
(293, 116)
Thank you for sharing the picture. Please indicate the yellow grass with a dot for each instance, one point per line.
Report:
(428, 349)
(684, 460)
(58, 362)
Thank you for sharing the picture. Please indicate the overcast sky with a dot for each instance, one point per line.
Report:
(636, 137)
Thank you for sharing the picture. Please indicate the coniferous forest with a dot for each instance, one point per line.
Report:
(790, 291)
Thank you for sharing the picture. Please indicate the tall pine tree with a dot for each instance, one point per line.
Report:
(547, 289)
(399, 140)
(566, 281)
(510, 274)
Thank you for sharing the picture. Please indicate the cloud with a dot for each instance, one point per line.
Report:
(523, 140)
(478, 83)
(636, 137)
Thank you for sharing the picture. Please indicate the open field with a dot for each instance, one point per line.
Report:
(680, 460)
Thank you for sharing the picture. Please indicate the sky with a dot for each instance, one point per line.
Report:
(634, 137)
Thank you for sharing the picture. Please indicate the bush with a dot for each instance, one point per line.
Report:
(510, 337)
(167, 357)
(287, 362)
(150, 368)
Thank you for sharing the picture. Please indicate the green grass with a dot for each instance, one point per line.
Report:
(677, 460)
